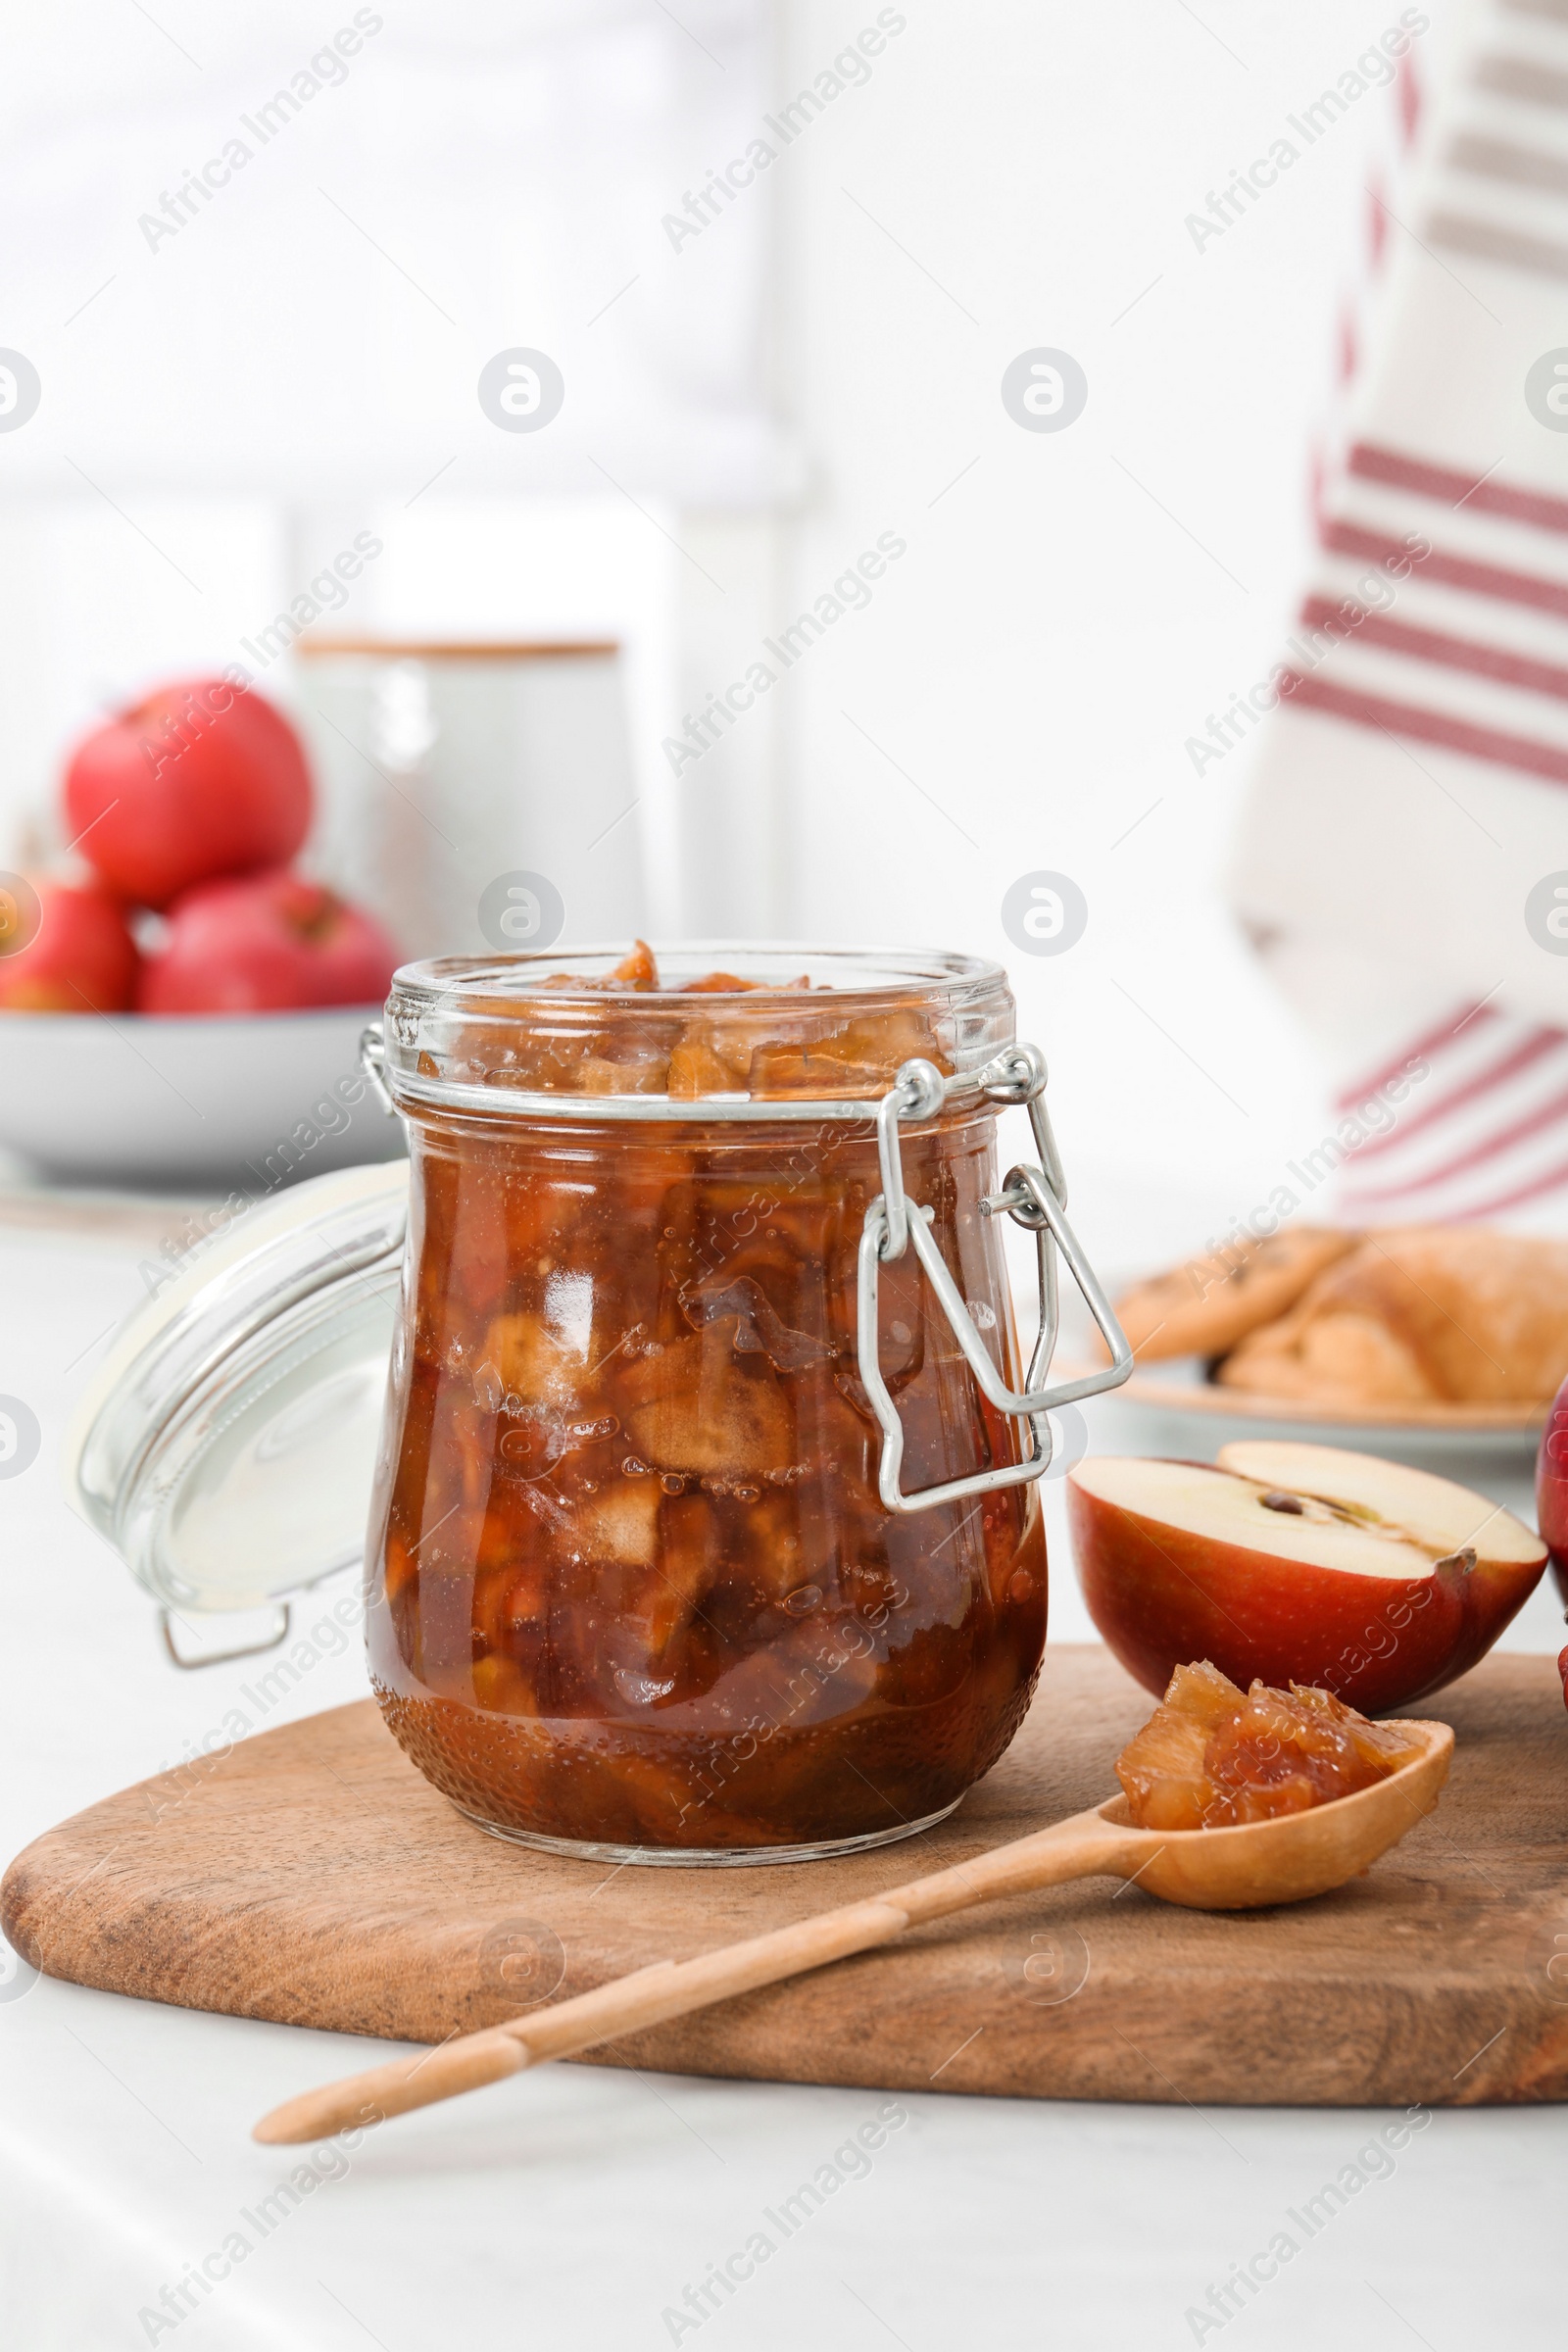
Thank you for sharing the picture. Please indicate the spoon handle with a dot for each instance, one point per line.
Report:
(1085, 1846)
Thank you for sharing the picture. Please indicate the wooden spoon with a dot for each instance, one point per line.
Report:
(1282, 1861)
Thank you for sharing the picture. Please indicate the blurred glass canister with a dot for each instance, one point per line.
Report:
(473, 794)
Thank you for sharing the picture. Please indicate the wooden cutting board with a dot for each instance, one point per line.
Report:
(312, 1877)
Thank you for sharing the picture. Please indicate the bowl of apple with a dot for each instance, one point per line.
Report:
(178, 1002)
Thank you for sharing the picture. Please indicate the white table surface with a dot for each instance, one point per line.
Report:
(575, 2207)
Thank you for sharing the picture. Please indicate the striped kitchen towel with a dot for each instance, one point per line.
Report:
(1482, 1133)
(1403, 857)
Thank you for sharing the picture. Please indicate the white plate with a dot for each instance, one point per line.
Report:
(1197, 1415)
(131, 1097)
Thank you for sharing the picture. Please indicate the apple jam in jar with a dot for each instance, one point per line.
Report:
(649, 1577)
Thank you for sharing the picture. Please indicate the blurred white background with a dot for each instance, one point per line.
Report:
(746, 409)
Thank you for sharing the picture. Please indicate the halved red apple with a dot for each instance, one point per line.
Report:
(1551, 1488)
(1298, 1563)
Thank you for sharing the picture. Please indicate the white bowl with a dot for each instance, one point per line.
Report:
(141, 1098)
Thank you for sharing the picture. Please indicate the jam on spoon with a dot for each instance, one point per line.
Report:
(1212, 1755)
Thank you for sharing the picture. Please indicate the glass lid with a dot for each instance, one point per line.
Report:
(228, 1445)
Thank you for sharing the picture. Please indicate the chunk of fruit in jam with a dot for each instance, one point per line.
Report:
(1212, 1756)
(635, 1049)
(698, 1406)
(636, 970)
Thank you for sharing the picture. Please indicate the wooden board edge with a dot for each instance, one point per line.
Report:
(750, 2039)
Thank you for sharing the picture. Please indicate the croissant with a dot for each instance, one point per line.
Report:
(1431, 1314)
(1204, 1306)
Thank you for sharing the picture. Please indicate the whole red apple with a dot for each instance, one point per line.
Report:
(200, 779)
(1551, 1488)
(1298, 1563)
(265, 943)
(64, 948)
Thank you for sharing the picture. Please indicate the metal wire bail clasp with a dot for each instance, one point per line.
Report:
(1035, 1197)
